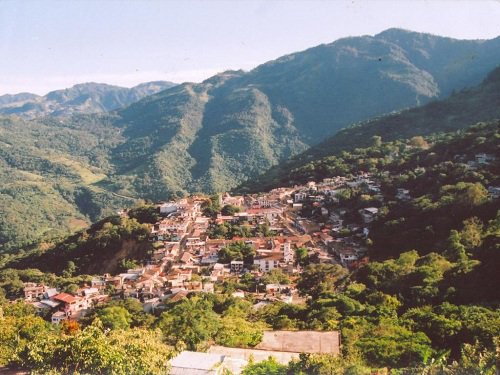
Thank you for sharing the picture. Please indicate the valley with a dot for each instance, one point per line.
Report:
(332, 211)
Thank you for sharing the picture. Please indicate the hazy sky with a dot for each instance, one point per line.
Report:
(47, 45)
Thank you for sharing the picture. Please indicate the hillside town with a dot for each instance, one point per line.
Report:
(210, 244)
(276, 227)
(188, 245)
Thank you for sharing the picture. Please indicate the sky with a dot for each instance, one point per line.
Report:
(49, 45)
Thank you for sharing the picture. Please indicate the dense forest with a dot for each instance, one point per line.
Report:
(459, 111)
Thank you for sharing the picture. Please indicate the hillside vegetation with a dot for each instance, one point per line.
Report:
(79, 99)
(214, 135)
(49, 170)
(426, 302)
(480, 103)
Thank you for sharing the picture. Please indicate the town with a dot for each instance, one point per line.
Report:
(253, 234)
(216, 244)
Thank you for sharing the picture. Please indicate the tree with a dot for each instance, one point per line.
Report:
(325, 364)
(237, 251)
(471, 234)
(275, 276)
(229, 210)
(319, 278)
(392, 345)
(94, 351)
(419, 142)
(471, 195)
(145, 214)
(302, 256)
(191, 322)
(115, 317)
(237, 332)
(70, 269)
(376, 141)
(267, 367)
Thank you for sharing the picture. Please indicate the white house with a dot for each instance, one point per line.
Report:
(168, 208)
(288, 253)
(269, 262)
(237, 266)
(299, 197)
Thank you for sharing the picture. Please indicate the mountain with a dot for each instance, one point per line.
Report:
(48, 172)
(81, 98)
(213, 135)
(469, 106)
(21, 97)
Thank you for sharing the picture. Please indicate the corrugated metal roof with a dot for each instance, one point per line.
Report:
(196, 361)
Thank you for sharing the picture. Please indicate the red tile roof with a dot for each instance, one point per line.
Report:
(65, 297)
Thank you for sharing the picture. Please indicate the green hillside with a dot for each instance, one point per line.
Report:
(214, 135)
(480, 103)
(426, 302)
(49, 170)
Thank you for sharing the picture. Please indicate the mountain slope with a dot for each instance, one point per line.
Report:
(48, 172)
(469, 106)
(81, 98)
(213, 135)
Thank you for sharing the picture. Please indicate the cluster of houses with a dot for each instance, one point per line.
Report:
(62, 306)
(186, 258)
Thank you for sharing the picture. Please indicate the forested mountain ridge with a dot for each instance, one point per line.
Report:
(471, 105)
(48, 170)
(81, 98)
(236, 125)
(232, 127)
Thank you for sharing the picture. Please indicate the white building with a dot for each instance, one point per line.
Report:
(168, 208)
(237, 266)
(267, 263)
(288, 253)
(299, 197)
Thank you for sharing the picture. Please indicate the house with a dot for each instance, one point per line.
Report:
(494, 192)
(285, 346)
(312, 342)
(208, 287)
(168, 208)
(238, 294)
(237, 266)
(71, 305)
(269, 262)
(33, 291)
(368, 214)
(484, 159)
(187, 258)
(288, 253)
(347, 256)
(49, 293)
(151, 304)
(234, 201)
(403, 194)
(41, 308)
(58, 317)
(98, 282)
(277, 288)
(299, 197)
